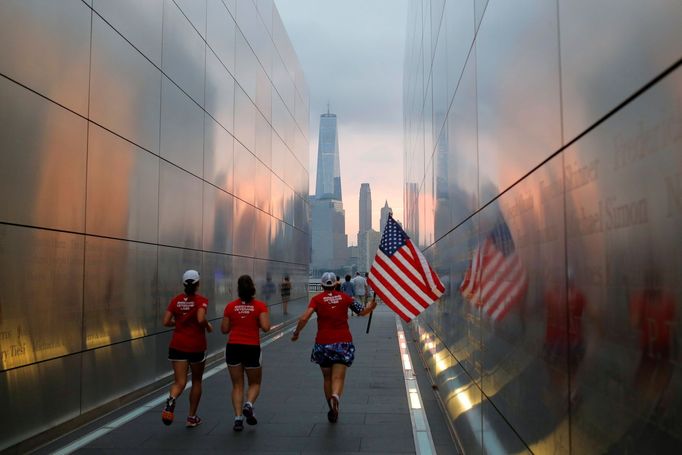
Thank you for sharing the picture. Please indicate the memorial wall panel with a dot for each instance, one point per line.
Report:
(131, 154)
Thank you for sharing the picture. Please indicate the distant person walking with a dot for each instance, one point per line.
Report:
(187, 313)
(243, 319)
(347, 287)
(285, 291)
(360, 287)
(369, 289)
(333, 350)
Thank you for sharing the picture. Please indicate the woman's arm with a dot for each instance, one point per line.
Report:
(201, 317)
(264, 321)
(370, 306)
(302, 321)
(225, 325)
(168, 320)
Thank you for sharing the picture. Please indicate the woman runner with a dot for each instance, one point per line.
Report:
(333, 350)
(187, 350)
(243, 319)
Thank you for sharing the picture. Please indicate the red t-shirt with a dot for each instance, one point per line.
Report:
(332, 317)
(654, 312)
(244, 327)
(189, 335)
(556, 331)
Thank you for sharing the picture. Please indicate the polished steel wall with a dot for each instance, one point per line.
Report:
(543, 164)
(138, 139)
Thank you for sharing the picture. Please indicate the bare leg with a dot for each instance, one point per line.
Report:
(237, 377)
(254, 376)
(327, 375)
(180, 369)
(195, 393)
(338, 377)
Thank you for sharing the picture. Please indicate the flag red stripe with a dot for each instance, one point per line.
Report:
(437, 281)
(509, 292)
(409, 273)
(382, 277)
(386, 296)
(497, 287)
(388, 302)
(395, 294)
(416, 289)
(420, 268)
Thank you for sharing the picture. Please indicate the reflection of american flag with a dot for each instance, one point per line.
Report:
(400, 275)
(496, 279)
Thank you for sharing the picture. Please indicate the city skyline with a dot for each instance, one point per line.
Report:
(352, 55)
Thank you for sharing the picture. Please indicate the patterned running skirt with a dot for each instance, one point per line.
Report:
(325, 355)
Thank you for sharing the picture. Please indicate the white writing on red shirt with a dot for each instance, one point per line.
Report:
(244, 310)
(184, 305)
(332, 299)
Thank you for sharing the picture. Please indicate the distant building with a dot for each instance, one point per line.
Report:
(385, 211)
(368, 243)
(328, 180)
(365, 208)
(329, 242)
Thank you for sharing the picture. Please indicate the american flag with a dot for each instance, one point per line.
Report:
(400, 275)
(496, 280)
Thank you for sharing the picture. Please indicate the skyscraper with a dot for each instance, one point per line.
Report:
(385, 210)
(365, 208)
(328, 169)
(329, 239)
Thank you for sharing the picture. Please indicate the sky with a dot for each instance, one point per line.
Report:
(352, 55)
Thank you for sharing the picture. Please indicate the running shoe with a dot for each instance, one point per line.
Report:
(333, 414)
(247, 410)
(238, 425)
(193, 421)
(167, 413)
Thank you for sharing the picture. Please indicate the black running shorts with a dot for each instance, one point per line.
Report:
(180, 356)
(246, 355)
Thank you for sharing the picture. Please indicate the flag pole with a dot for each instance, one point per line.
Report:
(369, 321)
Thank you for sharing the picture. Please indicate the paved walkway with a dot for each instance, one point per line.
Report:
(374, 413)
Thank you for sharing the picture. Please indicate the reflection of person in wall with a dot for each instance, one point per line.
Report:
(564, 343)
(652, 313)
(285, 292)
(268, 289)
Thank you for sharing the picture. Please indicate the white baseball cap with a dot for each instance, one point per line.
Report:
(328, 279)
(190, 277)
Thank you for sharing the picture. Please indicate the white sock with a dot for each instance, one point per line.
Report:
(238, 417)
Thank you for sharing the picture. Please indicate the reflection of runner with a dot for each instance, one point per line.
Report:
(285, 290)
(243, 319)
(652, 312)
(268, 289)
(187, 313)
(565, 343)
(333, 351)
